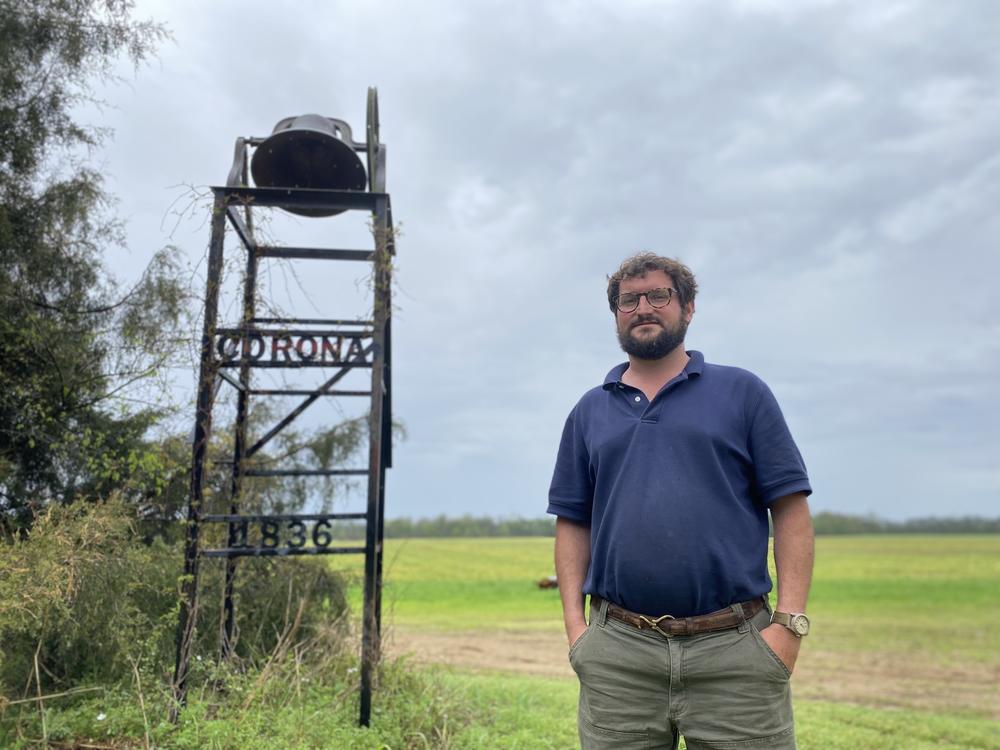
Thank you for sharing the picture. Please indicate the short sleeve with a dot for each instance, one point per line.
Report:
(571, 494)
(778, 466)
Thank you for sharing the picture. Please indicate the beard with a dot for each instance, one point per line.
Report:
(656, 347)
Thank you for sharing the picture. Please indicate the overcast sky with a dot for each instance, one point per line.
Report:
(829, 170)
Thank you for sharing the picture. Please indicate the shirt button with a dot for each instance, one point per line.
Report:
(638, 398)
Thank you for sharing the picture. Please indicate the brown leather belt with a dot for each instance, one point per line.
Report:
(722, 619)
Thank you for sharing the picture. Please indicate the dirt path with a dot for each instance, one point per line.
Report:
(870, 679)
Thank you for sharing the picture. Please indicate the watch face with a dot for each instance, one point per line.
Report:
(800, 624)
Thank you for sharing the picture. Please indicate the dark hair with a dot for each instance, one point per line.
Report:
(642, 263)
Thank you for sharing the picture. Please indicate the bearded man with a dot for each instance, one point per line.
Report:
(662, 488)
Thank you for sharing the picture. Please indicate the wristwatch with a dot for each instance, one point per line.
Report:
(797, 622)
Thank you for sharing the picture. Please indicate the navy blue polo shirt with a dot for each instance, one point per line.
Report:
(676, 490)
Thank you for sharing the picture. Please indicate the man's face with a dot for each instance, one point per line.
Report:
(648, 332)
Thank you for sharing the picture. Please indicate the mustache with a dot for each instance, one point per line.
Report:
(644, 320)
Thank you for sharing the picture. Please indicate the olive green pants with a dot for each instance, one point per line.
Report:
(720, 691)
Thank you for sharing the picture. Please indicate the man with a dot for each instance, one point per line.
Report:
(662, 487)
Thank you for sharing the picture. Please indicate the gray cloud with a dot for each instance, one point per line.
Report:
(829, 169)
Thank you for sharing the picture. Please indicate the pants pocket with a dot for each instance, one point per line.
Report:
(738, 693)
(597, 738)
(623, 694)
(575, 648)
(773, 658)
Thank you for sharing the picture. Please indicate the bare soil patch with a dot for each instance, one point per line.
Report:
(869, 679)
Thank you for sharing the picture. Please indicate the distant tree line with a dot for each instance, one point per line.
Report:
(838, 523)
(445, 526)
(824, 523)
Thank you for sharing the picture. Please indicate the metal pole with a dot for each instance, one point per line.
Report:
(385, 464)
(370, 630)
(226, 640)
(202, 430)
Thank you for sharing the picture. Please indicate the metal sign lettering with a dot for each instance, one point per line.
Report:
(296, 348)
(281, 535)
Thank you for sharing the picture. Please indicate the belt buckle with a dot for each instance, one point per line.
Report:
(654, 624)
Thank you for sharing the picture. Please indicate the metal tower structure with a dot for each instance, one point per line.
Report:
(308, 166)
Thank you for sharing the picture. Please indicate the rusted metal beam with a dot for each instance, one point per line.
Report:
(231, 380)
(371, 627)
(274, 197)
(202, 430)
(309, 401)
(313, 253)
(244, 227)
(313, 321)
(304, 472)
(258, 517)
(243, 231)
(234, 552)
(302, 392)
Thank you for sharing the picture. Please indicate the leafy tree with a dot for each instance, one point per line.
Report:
(340, 446)
(72, 340)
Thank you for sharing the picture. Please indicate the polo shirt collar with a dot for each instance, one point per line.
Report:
(695, 366)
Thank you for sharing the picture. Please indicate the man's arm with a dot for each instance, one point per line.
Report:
(793, 561)
(572, 560)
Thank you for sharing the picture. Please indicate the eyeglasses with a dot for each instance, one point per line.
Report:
(629, 301)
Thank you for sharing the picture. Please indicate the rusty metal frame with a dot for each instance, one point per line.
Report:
(228, 201)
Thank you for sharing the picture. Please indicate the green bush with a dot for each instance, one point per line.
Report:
(84, 599)
(267, 597)
(78, 598)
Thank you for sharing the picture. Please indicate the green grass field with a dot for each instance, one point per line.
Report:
(905, 650)
(938, 596)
